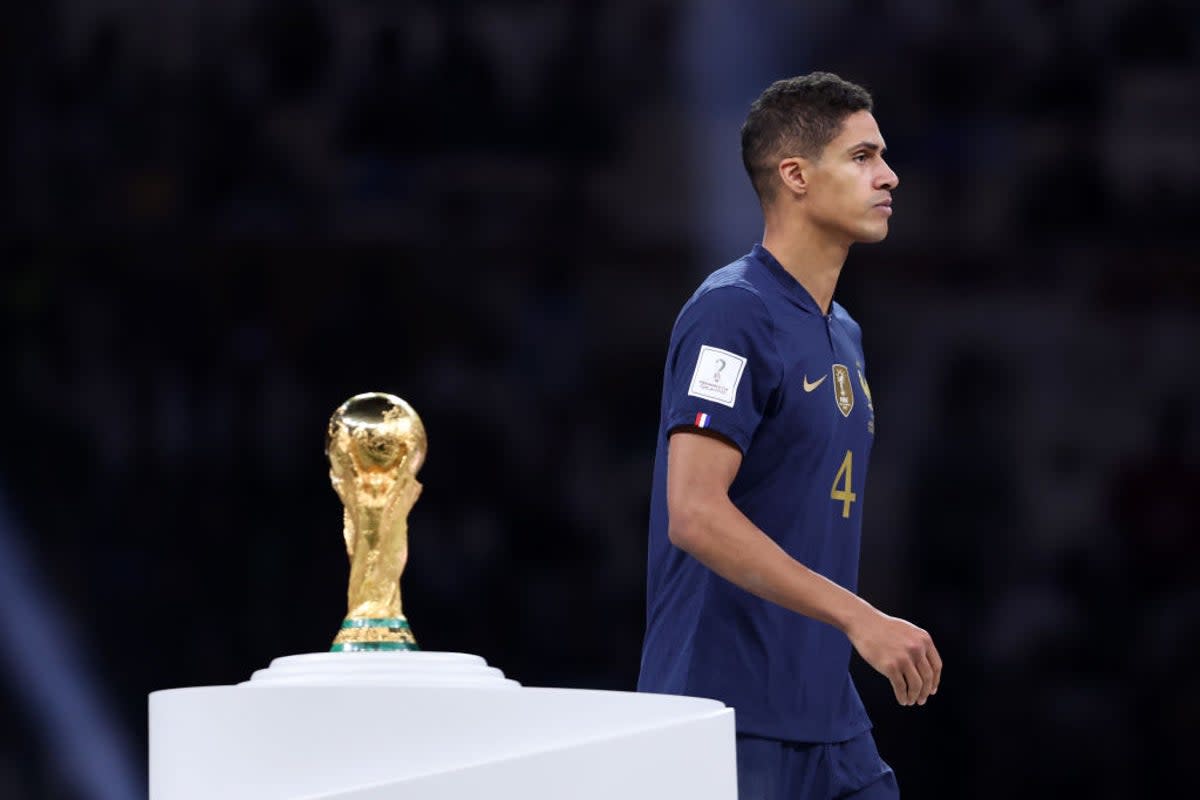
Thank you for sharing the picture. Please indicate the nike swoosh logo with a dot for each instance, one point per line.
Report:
(808, 387)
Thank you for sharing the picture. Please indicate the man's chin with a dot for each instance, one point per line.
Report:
(872, 235)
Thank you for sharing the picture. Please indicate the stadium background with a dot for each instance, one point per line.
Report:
(221, 220)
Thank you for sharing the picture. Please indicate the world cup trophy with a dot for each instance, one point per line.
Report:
(376, 444)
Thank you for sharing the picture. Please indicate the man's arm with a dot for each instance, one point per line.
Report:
(705, 523)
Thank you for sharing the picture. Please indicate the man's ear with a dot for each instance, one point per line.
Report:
(794, 172)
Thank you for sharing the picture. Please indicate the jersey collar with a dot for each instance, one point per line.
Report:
(790, 286)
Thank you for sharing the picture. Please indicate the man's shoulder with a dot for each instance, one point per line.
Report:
(733, 285)
(737, 273)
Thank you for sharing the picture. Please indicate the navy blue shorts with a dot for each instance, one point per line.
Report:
(769, 769)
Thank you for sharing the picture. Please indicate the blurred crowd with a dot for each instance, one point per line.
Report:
(222, 220)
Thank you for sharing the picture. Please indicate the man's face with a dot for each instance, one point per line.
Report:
(850, 187)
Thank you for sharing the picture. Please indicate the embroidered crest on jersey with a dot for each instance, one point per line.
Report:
(717, 375)
(843, 391)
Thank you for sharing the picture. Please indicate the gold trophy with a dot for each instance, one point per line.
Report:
(375, 444)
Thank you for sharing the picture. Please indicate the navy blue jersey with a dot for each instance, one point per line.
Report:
(753, 358)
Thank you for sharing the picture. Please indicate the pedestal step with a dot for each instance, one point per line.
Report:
(399, 668)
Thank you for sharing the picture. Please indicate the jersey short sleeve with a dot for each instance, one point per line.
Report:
(723, 370)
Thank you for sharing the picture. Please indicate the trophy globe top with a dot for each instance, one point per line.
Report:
(375, 433)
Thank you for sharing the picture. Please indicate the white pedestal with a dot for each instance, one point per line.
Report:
(419, 725)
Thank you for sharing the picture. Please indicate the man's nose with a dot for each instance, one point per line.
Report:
(888, 179)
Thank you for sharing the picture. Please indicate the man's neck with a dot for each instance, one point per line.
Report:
(809, 256)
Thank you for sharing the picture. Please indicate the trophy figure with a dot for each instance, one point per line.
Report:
(375, 444)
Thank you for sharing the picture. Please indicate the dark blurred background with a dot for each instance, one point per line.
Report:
(222, 220)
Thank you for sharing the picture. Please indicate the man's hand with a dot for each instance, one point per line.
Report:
(901, 652)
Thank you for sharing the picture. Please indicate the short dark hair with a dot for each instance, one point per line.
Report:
(796, 117)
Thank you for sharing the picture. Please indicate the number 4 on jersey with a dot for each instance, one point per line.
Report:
(841, 484)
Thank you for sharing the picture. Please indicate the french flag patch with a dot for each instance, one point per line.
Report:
(701, 420)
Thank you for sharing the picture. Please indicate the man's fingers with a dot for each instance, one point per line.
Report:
(897, 679)
(913, 679)
(936, 661)
(925, 667)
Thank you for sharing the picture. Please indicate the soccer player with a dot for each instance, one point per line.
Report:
(765, 432)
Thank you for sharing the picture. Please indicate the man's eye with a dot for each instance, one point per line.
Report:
(861, 157)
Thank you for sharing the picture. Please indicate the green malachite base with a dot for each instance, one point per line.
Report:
(374, 634)
(363, 647)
